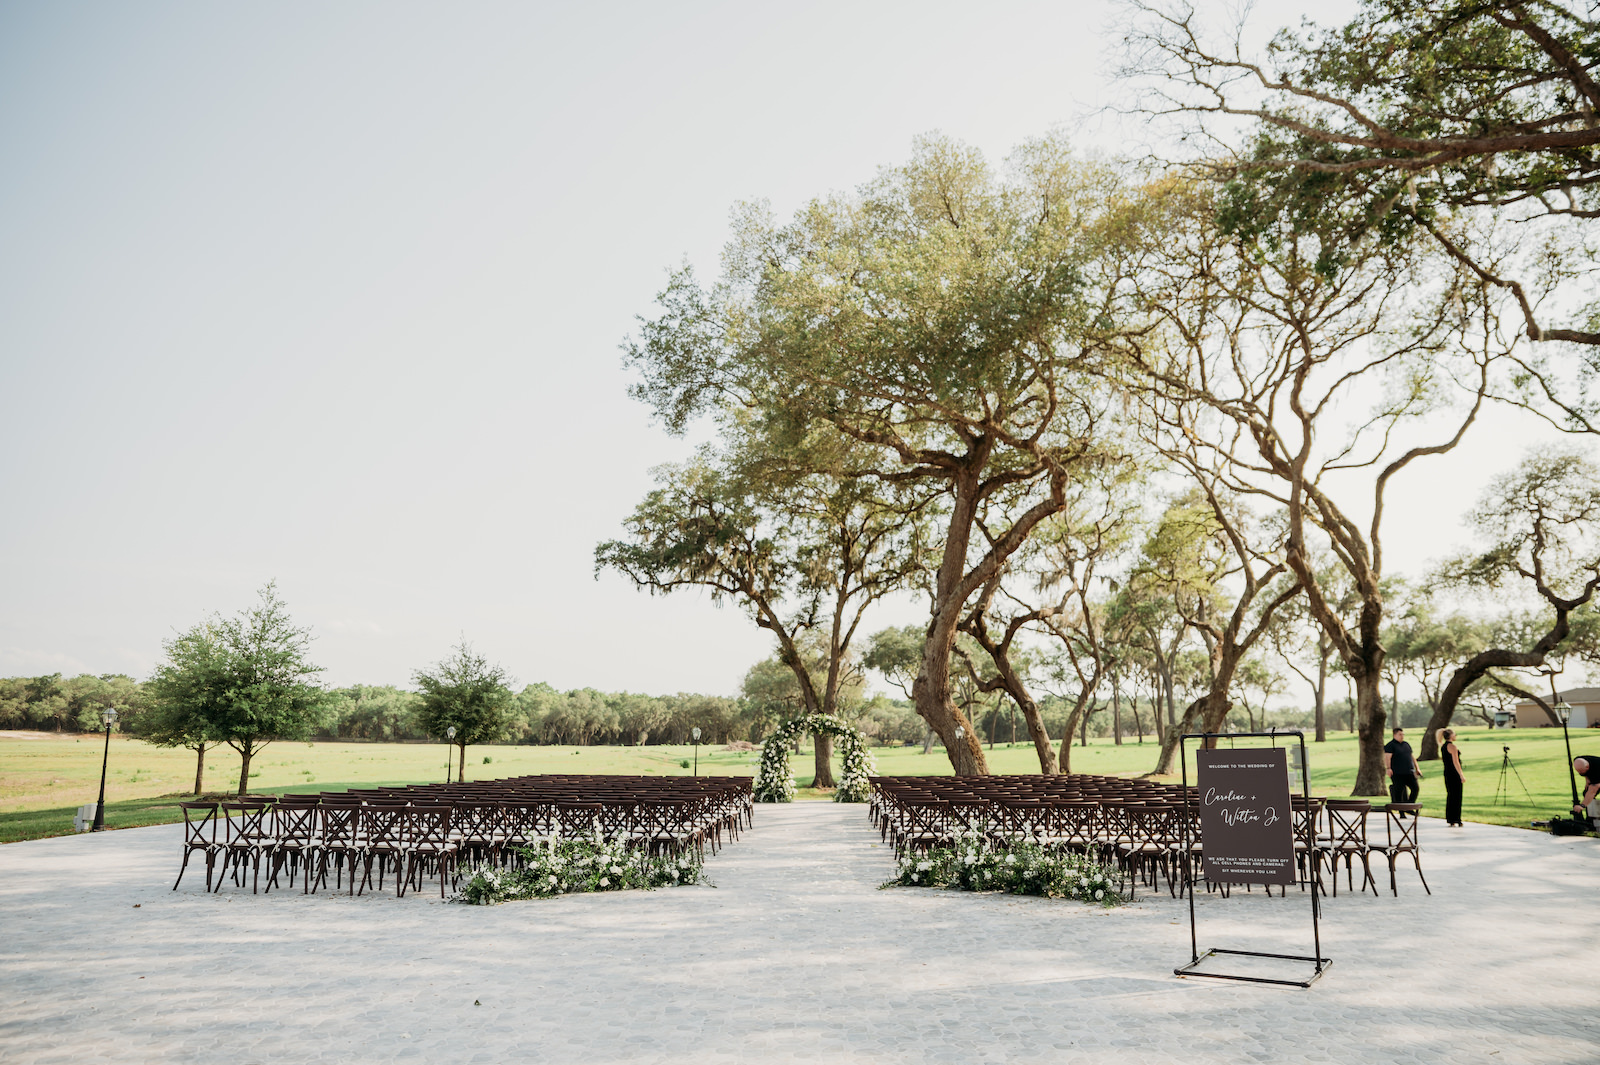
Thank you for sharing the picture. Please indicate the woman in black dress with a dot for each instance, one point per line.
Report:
(1450, 754)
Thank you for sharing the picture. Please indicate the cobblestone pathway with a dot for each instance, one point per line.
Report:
(795, 955)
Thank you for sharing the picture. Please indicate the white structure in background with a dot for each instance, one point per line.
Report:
(1585, 703)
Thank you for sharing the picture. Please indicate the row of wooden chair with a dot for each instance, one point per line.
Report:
(424, 830)
(1146, 830)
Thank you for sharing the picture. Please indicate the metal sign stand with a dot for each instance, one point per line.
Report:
(1321, 964)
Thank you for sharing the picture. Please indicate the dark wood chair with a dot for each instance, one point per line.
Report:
(199, 834)
(246, 840)
(1347, 841)
(338, 842)
(429, 843)
(1402, 822)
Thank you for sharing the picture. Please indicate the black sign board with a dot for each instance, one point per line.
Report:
(1245, 819)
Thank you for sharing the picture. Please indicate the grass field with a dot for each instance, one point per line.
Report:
(44, 777)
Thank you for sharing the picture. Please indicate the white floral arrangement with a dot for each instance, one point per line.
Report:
(574, 866)
(775, 783)
(1021, 867)
(857, 768)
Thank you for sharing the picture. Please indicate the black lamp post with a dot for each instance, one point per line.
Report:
(450, 741)
(109, 716)
(694, 734)
(1563, 712)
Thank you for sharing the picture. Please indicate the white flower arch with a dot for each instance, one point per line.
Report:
(774, 782)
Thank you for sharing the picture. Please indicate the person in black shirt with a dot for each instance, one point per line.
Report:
(1401, 765)
(1587, 767)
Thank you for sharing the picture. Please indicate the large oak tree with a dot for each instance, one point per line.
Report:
(938, 318)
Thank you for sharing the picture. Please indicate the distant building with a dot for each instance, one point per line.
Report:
(1585, 703)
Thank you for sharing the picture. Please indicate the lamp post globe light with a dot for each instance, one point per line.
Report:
(694, 734)
(1502, 719)
(450, 740)
(109, 716)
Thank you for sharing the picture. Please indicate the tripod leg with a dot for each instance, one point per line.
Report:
(1518, 775)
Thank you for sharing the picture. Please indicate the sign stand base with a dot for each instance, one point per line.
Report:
(1322, 965)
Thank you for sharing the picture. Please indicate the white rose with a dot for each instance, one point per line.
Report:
(605, 881)
(1098, 895)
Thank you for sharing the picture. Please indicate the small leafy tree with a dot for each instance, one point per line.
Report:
(184, 689)
(243, 681)
(466, 692)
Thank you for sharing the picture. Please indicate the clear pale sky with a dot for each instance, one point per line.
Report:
(333, 293)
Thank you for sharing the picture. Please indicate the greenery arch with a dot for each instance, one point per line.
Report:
(774, 782)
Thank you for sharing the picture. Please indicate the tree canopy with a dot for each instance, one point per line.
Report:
(242, 680)
(466, 692)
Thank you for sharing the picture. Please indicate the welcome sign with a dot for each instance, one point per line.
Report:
(1246, 821)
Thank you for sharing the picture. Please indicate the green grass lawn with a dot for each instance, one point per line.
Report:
(44, 777)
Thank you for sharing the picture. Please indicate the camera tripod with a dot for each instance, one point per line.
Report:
(1502, 790)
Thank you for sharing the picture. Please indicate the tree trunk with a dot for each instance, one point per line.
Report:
(1169, 741)
(931, 693)
(954, 585)
(824, 754)
(244, 768)
(461, 768)
(200, 771)
(1322, 691)
(1116, 711)
(1011, 683)
(1370, 719)
(1078, 717)
(1172, 701)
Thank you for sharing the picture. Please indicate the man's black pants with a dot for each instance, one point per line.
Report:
(1402, 788)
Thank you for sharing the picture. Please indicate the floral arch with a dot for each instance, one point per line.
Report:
(774, 782)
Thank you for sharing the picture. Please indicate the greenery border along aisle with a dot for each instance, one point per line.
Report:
(774, 782)
(575, 866)
(1024, 867)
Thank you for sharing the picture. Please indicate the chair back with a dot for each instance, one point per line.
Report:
(1402, 820)
(1347, 823)
(199, 824)
(294, 824)
(245, 822)
(384, 826)
(430, 827)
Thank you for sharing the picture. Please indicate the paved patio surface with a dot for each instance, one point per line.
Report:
(795, 955)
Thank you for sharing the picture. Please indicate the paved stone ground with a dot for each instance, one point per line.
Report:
(794, 955)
